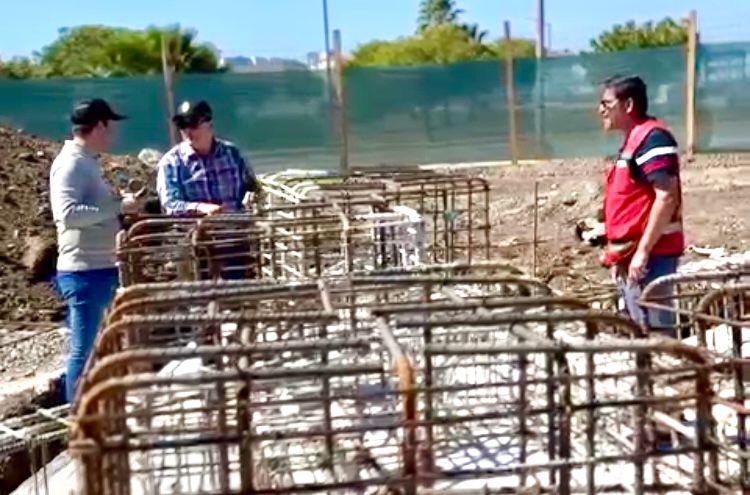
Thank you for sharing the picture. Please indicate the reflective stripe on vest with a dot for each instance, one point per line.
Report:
(654, 152)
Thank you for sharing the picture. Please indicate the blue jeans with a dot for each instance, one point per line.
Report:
(87, 295)
(657, 266)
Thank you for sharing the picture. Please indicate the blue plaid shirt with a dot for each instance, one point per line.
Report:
(185, 178)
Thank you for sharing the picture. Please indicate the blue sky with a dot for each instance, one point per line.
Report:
(291, 28)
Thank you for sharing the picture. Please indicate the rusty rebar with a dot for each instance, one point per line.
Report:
(408, 380)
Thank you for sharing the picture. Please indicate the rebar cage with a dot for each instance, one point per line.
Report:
(335, 361)
(522, 395)
(722, 322)
(455, 207)
(680, 294)
(395, 383)
(711, 312)
(241, 246)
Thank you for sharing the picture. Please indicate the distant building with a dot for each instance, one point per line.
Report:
(262, 64)
(560, 53)
(316, 61)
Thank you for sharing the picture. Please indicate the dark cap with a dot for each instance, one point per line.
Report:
(190, 114)
(91, 112)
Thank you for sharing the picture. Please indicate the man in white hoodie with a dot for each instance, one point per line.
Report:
(86, 213)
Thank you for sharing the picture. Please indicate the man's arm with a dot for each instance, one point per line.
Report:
(250, 187)
(658, 164)
(67, 185)
(249, 182)
(666, 200)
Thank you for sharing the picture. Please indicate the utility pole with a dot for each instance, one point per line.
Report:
(540, 26)
(539, 96)
(168, 73)
(342, 103)
(510, 91)
(327, 47)
(331, 99)
(691, 128)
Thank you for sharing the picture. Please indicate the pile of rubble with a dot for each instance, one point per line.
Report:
(27, 235)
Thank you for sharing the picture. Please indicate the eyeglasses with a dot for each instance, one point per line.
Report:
(608, 104)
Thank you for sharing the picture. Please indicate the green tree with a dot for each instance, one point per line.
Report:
(81, 51)
(21, 68)
(473, 31)
(183, 53)
(667, 32)
(519, 48)
(437, 12)
(101, 51)
(440, 44)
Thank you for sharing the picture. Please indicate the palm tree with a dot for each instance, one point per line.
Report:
(435, 12)
(473, 32)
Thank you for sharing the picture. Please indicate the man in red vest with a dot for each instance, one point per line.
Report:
(643, 199)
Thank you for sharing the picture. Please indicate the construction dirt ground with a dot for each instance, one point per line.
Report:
(716, 212)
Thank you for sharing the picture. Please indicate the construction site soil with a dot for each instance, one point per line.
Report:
(26, 224)
(716, 209)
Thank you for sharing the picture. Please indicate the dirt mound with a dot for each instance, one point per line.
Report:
(24, 214)
(26, 230)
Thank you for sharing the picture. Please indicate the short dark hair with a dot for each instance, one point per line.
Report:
(82, 130)
(631, 87)
(86, 129)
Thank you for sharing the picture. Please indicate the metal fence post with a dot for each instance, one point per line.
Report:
(341, 99)
(691, 66)
(168, 71)
(510, 89)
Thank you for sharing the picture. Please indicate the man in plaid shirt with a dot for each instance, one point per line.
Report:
(202, 175)
(206, 176)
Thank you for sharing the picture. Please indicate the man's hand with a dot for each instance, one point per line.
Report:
(208, 209)
(637, 270)
(131, 204)
(666, 200)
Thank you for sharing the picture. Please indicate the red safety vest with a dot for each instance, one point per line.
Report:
(628, 203)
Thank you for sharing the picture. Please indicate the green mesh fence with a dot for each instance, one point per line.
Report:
(558, 107)
(427, 114)
(280, 120)
(42, 107)
(408, 115)
(460, 112)
(723, 104)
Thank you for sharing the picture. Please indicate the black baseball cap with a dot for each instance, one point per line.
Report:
(91, 112)
(190, 114)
